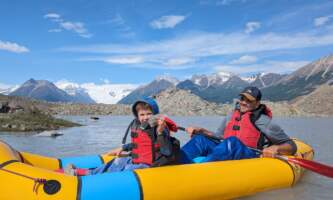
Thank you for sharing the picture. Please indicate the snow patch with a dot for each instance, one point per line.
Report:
(101, 93)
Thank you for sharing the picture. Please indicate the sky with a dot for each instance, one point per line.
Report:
(133, 41)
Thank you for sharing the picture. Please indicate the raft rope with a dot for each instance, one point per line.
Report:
(49, 186)
(37, 181)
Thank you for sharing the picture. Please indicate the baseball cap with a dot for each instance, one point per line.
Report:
(251, 93)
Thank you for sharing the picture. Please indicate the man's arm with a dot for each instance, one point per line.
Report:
(219, 132)
(281, 142)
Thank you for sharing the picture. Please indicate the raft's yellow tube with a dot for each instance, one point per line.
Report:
(17, 178)
(40, 161)
(215, 180)
(221, 180)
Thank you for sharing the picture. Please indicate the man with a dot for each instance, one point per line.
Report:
(249, 125)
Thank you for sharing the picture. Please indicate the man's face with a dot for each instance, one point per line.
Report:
(144, 115)
(246, 105)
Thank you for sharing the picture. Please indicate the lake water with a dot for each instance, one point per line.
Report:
(106, 133)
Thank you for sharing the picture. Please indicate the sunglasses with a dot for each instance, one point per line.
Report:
(243, 98)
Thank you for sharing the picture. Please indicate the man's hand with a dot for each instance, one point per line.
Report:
(192, 130)
(271, 151)
(115, 152)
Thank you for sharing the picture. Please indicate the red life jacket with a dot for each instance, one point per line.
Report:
(145, 146)
(242, 126)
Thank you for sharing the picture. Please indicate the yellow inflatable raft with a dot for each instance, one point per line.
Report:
(26, 176)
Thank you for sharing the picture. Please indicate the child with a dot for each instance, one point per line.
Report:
(151, 144)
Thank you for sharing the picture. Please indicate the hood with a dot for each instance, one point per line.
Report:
(150, 101)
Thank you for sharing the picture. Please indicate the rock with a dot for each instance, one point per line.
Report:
(50, 134)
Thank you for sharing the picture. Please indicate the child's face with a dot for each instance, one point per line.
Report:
(144, 115)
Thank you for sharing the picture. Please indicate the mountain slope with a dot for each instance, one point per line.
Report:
(42, 90)
(266, 80)
(319, 102)
(180, 102)
(219, 91)
(301, 82)
(151, 89)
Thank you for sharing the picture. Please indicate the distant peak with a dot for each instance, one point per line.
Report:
(224, 74)
(31, 81)
(167, 78)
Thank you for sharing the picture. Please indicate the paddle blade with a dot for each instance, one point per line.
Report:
(313, 166)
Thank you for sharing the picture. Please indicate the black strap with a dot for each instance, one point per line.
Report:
(107, 166)
(7, 163)
(127, 131)
(255, 115)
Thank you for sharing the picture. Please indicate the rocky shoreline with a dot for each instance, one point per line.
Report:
(23, 122)
(22, 115)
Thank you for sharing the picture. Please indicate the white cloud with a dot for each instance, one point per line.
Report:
(244, 60)
(220, 2)
(200, 46)
(169, 21)
(52, 16)
(178, 61)
(320, 21)
(77, 27)
(125, 60)
(266, 67)
(56, 30)
(120, 24)
(117, 20)
(13, 47)
(252, 26)
(228, 2)
(105, 80)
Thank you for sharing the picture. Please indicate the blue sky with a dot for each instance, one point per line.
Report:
(134, 41)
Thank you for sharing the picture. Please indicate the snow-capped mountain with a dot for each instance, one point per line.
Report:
(104, 93)
(262, 80)
(251, 78)
(6, 89)
(156, 86)
(74, 90)
(302, 81)
(168, 78)
(205, 81)
(42, 90)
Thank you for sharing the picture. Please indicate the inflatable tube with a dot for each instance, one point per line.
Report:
(29, 176)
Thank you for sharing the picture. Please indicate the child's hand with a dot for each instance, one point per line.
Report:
(161, 125)
(115, 152)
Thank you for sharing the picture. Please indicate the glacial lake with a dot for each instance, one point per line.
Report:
(99, 136)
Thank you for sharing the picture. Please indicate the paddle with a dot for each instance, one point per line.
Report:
(314, 166)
